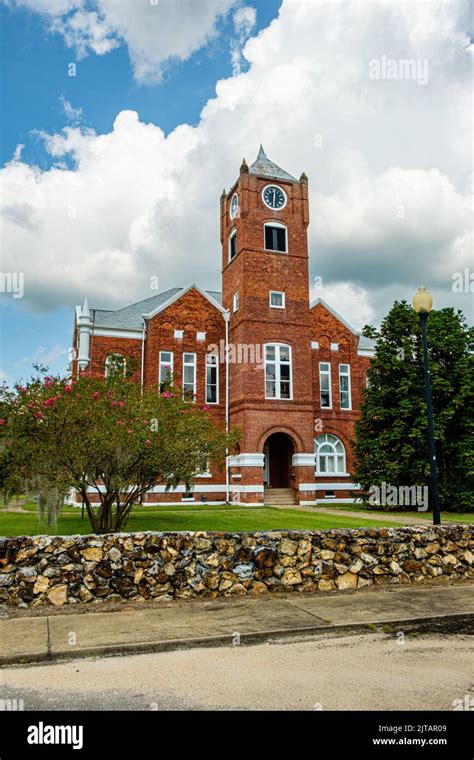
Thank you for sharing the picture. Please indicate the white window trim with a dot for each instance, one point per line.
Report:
(109, 356)
(325, 372)
(232, 234)
(178, 334)
(235, 302)
(283, 227)
(348, 375)
(163, 363)
(335, 454)
(216, 365)
(188, 364)
(277, 293)
(277, 371)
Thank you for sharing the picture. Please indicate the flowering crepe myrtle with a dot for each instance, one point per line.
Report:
(93, 434)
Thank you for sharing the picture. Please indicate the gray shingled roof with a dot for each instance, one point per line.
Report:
(266, 168)
(130, 317)
(366, 343)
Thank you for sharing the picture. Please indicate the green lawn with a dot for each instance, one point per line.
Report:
(219, 518)
(451, 517)
(184, 517)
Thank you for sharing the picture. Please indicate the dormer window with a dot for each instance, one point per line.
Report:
(232, 245)
(276, 237)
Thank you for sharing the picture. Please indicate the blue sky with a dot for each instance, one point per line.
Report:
(119, 171)
(34, 73)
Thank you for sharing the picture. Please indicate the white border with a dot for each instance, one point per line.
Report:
(232, 217)
(277, 293)
(272, 184)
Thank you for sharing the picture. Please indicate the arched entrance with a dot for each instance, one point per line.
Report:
(278, 451)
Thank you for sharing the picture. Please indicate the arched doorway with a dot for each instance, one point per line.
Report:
(278, 451)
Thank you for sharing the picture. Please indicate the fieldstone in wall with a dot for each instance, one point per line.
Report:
(59, 570)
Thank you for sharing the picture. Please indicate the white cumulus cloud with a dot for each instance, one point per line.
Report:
(154, 31)
(388, 163)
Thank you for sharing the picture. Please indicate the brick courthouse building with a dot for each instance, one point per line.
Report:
(288, 373)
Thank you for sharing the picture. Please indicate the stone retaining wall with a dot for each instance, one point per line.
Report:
(79, 569)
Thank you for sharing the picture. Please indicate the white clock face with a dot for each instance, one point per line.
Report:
(234, 206)
(274, 197)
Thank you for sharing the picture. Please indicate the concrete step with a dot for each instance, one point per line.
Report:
(279, 496)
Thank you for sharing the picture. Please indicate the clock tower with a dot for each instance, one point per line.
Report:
(265, 286)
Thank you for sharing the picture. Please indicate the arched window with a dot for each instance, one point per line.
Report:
(275, 237)
(115, 364)
(330, 455)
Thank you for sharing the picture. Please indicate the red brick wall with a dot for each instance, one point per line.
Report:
(253, 273)
(326, 329)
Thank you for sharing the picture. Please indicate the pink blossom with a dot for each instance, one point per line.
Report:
(166, 394)
(96, 394)
(49, 402)
(30, 406)
(68, 388)
(121, 403)
(2, 422)
(205, 408)
(148, 442)
(39, 415)
(129, 430)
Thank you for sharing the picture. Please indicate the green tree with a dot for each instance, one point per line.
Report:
(391, 436)
(105, 437)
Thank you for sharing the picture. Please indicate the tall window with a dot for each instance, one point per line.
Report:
(330, 455)
(345, 386)
(189, 376)
(232, 244)
(235, 303)
(212, 379)
(275, 237)
(166, 368)
(278, 383)
(115, 364)
(325, 385)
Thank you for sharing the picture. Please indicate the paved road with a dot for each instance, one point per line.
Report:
(368, 672)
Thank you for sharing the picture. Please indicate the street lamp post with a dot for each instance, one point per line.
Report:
(422, 303)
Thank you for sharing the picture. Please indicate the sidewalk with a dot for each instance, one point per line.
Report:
(225, 622)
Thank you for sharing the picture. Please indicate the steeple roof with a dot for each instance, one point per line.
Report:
(266, 168)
